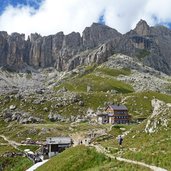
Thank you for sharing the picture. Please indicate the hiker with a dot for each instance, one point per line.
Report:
(120, 140)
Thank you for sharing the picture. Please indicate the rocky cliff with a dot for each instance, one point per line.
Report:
(151, 45)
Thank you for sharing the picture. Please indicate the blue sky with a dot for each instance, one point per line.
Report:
(33, 3)
(51, 16)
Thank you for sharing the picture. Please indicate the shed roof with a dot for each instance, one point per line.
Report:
(118, 107)
(58, 140)
(102, 114)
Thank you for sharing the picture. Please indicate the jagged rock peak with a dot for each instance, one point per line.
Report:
(34, 37)
(97, 34)
(142, 28)
(99, 25)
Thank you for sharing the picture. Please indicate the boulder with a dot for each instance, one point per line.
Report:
(12, 107)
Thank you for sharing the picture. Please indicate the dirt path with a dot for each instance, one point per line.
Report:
(15, 145)
(12, 143)
(99, 148)
(104, 151)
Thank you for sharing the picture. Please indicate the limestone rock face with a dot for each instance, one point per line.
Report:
(142, 28)
(46, 52)
(65, 51)
(57, 43)
(35, 50)
(13, 50)
(3, 48)
(98, 34)
(151, 45)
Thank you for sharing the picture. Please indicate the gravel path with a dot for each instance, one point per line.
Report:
(102, 150)
(98, 148)
(12, 143)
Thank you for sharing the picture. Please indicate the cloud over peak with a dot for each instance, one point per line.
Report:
(74, 15)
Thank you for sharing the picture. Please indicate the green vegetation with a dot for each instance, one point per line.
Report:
(97, 84)
(6, 148)
(152, 148)
(142, 54)
(113, 72)
(2, 140)
(82, 158)
(31, 147)
(20, 132)
(90, 68)
(104, 87)
(39, 132)
(93, 76)
(15, 163)
(78, 158)
(139, 104)
(110, 140)
(94, 100)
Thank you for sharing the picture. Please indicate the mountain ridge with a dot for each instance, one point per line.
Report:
(98, 42)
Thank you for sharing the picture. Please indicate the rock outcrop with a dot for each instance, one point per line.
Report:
(159, 118)
(20, 117)
(98, 34)
(151, 45)
(142, 28)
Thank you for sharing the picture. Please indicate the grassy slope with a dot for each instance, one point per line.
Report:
(15, 163)
(82, 158)
(113, 72)
(97, 84)
(6, 148)
(40, 131)
(154, 149)
(12, 163)
(139, 105)
(101, 80)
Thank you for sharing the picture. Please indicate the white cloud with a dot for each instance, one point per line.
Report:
(74, 15)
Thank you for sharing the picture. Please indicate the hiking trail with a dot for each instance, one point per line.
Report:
(101, 149)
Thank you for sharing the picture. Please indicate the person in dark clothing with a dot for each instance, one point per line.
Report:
(120, 140)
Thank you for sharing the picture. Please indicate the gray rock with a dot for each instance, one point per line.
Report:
(81, 103)
(16, 116)
(41, 91)
(72, 118)
(55, 117)
(12, 107)
(7, 120)
(98, 34)
(63, 90)
(46, 109)
(89, 88)
(51, 117)
(7, 114)
(151, 45)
